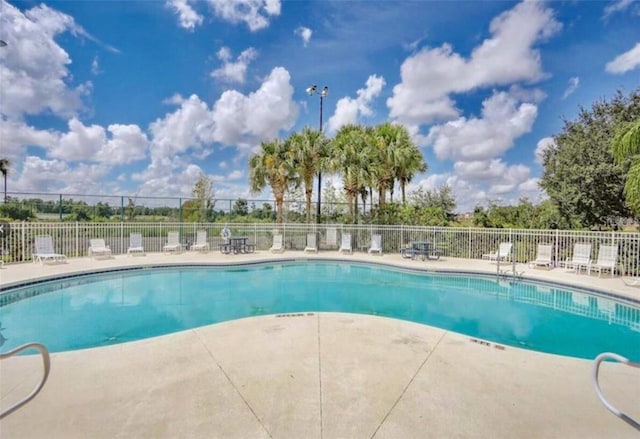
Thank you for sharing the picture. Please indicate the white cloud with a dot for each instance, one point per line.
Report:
(617, 6)
(95, 66)
(625, 62)
(41, 175)
(543, 144)
(473, 186)
(34, 73)
(244, 121)
(234, 71)
(189, 127)
(237, 120)
(349, 110)
(304, 33)
(171, 183)
(176, 99)
(571, 87)
(503, 120)
(16, 136)
(80, 143)
(128, 144)
(187, 17)
(255, 13)
(509, 56)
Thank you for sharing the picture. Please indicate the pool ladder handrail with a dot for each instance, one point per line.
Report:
(46, 361)
(596, 368)
(505, 273)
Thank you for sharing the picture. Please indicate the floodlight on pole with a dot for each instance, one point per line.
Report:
(313, 89)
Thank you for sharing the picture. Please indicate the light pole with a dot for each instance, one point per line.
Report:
(323, 94)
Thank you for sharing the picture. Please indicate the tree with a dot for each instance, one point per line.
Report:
(5, 164)
(310, 148)
(410, 161)
(580, 174)
(351, 158)
(203, 193)
(439, 200)
(626, 147)
(274, 165)
(389, 140)
(240, 207)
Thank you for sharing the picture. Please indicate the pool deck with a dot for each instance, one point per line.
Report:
(315, 375)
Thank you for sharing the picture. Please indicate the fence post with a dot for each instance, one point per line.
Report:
(77, 237)
(556, 246)
(24, 247)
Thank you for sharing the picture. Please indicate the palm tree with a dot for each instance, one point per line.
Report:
(389, 139)
(273, 165)
(626, 146)
(310, 149)
(410, 161)
(350, 159)
(5, 164)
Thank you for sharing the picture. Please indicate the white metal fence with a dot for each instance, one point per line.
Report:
(72, 239)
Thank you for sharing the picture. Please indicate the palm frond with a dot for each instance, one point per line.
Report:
(626, 142)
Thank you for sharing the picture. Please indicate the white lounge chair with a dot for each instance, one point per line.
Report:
(543, 257)
(581, 258)
(173, 243)
(311, 243)
(332, 237)
(135, 244)
(201, 243)
(345, 246)
(503, 253)
(607, 259)
(99, 249)
(278, 246)
(376, 244)
(631, 281)
(44, 251)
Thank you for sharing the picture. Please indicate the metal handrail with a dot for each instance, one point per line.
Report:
(46, 361)
(596, 368)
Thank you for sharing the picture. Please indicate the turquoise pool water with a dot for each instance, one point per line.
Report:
(104, 309)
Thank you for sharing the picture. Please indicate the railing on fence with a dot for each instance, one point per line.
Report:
(72, 239)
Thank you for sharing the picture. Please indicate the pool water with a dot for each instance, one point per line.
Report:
(98, 310)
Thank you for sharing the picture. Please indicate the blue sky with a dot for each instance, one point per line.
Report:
(140, 97)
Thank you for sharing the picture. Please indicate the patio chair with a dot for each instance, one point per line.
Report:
(543, 257)
(503, 253)
(44, 251)
(278, 246)
(99, 249)
(332, 237)
(311, 243)
(607, 259)
(631, 281)
(173, 243)
(135, 244)
(201, 243)
(376, 244)
(581, 258)
(345, 246)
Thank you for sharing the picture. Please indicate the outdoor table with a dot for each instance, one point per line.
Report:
(424, 249)
(238, 244)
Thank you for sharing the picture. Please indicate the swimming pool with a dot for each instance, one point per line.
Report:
(102, 309)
